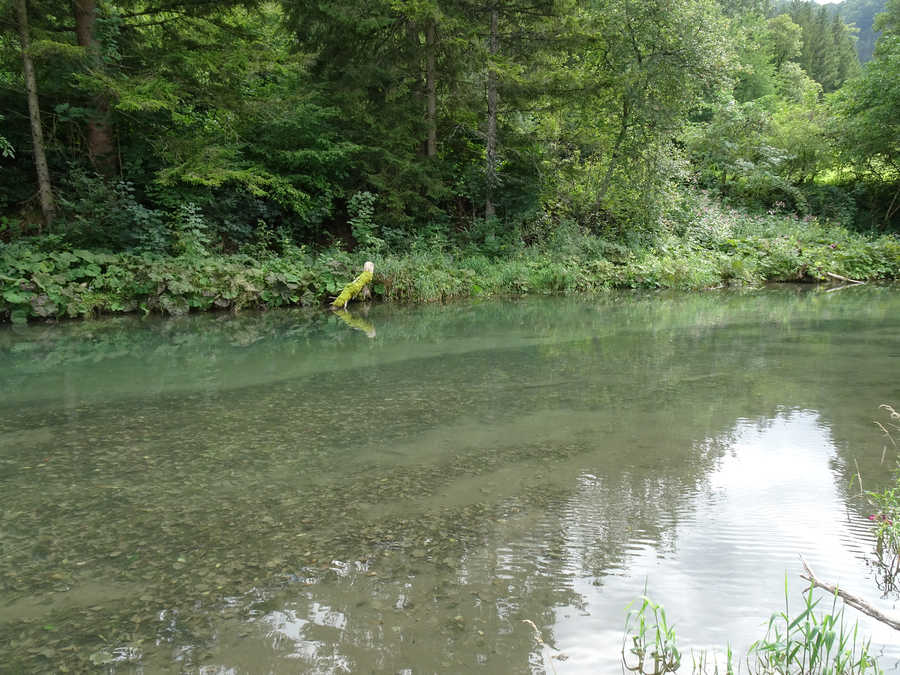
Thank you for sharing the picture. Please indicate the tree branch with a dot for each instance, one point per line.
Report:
(850, 599)
(840, 278)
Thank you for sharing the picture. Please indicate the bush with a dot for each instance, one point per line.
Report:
(48, 277)
(99, 213)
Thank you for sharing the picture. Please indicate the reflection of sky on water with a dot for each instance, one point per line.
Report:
(771, 498)
(716, 560)
(287, 630)
(532, 460)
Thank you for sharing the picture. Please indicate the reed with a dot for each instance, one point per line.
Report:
(807, 642)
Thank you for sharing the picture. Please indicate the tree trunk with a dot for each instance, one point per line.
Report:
(101, 149)
(613, 160)
(45, 191)
(891, 210)
(355, 287)
(430, 90)
(491, 142)
(415, 46)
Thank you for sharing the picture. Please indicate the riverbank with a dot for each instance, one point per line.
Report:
(44, 278)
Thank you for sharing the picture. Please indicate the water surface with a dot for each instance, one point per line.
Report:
(288, 492)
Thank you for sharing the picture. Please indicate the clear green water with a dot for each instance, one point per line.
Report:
(285, 493)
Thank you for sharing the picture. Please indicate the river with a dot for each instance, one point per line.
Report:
(400, 491)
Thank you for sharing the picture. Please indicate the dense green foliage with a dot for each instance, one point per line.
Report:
(861, 14)
(207, 141)
(714, 246)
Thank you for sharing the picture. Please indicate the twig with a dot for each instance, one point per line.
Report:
(538, 638)
(886, 433)
(852, 600)
(893, 413)
(540, 641)
(840, 278)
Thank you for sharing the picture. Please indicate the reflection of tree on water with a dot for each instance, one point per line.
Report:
(355, 322)
(885, 567)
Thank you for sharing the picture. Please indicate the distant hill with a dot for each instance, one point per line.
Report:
(862, 13)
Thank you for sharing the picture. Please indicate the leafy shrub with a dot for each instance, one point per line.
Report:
(361, 208)
(832, 203)
(189, 228)
(99, 213)
(48, 277)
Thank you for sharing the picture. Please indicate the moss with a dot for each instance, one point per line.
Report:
(354, 288)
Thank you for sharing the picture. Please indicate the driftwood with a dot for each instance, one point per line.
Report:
(849, 598)
(840, 278)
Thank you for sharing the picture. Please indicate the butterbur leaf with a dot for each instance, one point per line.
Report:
(16, 297)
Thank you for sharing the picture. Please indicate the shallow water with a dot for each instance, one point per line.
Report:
(287, 492)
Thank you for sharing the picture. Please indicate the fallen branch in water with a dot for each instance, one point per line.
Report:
(850, 599)
(840, 278)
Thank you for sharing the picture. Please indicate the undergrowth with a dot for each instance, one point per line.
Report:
(47, 277)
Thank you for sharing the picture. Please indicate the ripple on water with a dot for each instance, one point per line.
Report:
(485, 464)
(770, 499)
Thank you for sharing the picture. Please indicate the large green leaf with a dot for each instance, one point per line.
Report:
(16, 297)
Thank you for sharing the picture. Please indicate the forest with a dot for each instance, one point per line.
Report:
(175, 155)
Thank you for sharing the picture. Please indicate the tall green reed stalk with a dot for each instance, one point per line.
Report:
(654, 648)
(809, 642)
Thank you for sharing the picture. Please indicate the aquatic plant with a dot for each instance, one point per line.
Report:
(811, 643)
(654, 646)
(885, 506)
(807, 642)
